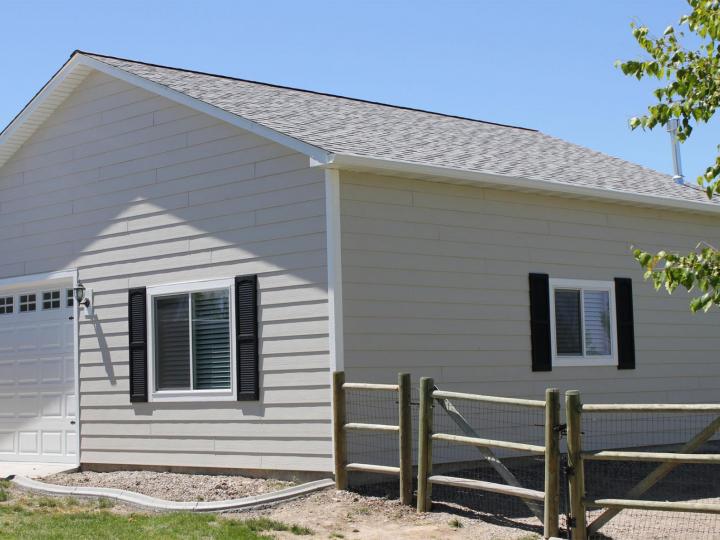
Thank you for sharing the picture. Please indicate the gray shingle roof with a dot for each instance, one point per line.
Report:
(361, 128)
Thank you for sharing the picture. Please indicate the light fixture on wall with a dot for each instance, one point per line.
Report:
(83, 297)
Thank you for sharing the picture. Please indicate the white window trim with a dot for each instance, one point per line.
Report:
(189, 395)
(586, 361)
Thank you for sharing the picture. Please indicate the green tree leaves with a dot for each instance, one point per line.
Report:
(697, 271)
(691, 92)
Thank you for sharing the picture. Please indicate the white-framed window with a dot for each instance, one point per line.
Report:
(51, 299)
(7, 305)
(27, 302)
(191, 341)
(582, 323)
(69, 298)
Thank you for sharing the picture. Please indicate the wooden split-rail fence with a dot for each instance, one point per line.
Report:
(545, 505)
(579, 503)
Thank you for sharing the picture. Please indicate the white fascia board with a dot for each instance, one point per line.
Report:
(313, 152)
(449, 174)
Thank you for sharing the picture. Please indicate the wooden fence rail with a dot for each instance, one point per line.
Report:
(575, 409)
(548, 513)
(429, 396)
(404, 430)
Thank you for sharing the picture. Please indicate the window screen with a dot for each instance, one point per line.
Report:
(192, 341)
(583, 322)
(211, 339)
(172, 343)
(596, 308)
(568, 323)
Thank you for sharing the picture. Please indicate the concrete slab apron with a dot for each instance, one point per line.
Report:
(32, 469)
(152, 503)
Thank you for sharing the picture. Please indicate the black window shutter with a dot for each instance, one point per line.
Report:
(137, 332)
(246, 322)
(540, 322)
(625, 326)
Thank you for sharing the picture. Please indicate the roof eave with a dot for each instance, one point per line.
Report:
(461, 176)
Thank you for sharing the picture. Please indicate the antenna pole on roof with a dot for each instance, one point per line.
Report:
(672, 127)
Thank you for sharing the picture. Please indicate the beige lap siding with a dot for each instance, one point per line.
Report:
(435, 282)
(134, 190)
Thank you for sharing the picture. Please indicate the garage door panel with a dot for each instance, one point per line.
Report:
(7, 442)
(53, 405)
(27, 405)
(52, 370)
(28, 443)
(52, 442)
(70, 406)
(37, 382)
(27, 371)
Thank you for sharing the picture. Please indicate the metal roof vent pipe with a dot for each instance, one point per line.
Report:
(672, 127)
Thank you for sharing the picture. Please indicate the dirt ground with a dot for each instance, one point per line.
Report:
(337, 514)
(340, 514)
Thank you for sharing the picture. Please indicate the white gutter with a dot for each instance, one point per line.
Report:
(438, 173)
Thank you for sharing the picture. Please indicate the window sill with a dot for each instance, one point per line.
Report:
(194, 396)
(581, 361)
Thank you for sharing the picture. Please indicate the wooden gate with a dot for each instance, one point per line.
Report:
(430, 396)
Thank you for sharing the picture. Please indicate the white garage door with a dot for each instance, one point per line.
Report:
(37, 375)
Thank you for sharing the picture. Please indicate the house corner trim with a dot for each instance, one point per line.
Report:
(334, 268)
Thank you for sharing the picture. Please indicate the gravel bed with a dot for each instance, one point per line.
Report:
(172, 486)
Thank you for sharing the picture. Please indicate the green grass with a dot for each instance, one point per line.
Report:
(29, 517)
(4, 487)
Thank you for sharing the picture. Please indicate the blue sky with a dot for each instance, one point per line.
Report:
(541, 64)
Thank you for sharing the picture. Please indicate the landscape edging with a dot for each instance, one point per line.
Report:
(130, 497)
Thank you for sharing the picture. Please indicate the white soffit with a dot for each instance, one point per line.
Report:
(45, 102)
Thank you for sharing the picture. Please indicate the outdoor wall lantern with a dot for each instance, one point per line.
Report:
(83, 297)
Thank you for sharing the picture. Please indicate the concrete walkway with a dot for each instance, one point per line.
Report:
(31, 469)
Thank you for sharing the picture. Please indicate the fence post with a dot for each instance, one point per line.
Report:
(339, 434)
(576, 473)
(405, 423)
(552, 462)
(427, 386)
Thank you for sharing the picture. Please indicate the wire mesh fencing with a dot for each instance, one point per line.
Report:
(377, 448)
(647, 431)
(693, 483)
(499, 422)
(487, 420)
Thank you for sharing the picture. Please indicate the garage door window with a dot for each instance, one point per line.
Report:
(51, 299)
(6, 305)
(27, 302)
(69, 297)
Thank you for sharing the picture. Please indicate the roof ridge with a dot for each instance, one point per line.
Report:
(316, 92)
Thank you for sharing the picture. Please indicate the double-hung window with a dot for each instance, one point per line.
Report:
(582, 323)
(191, 341)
